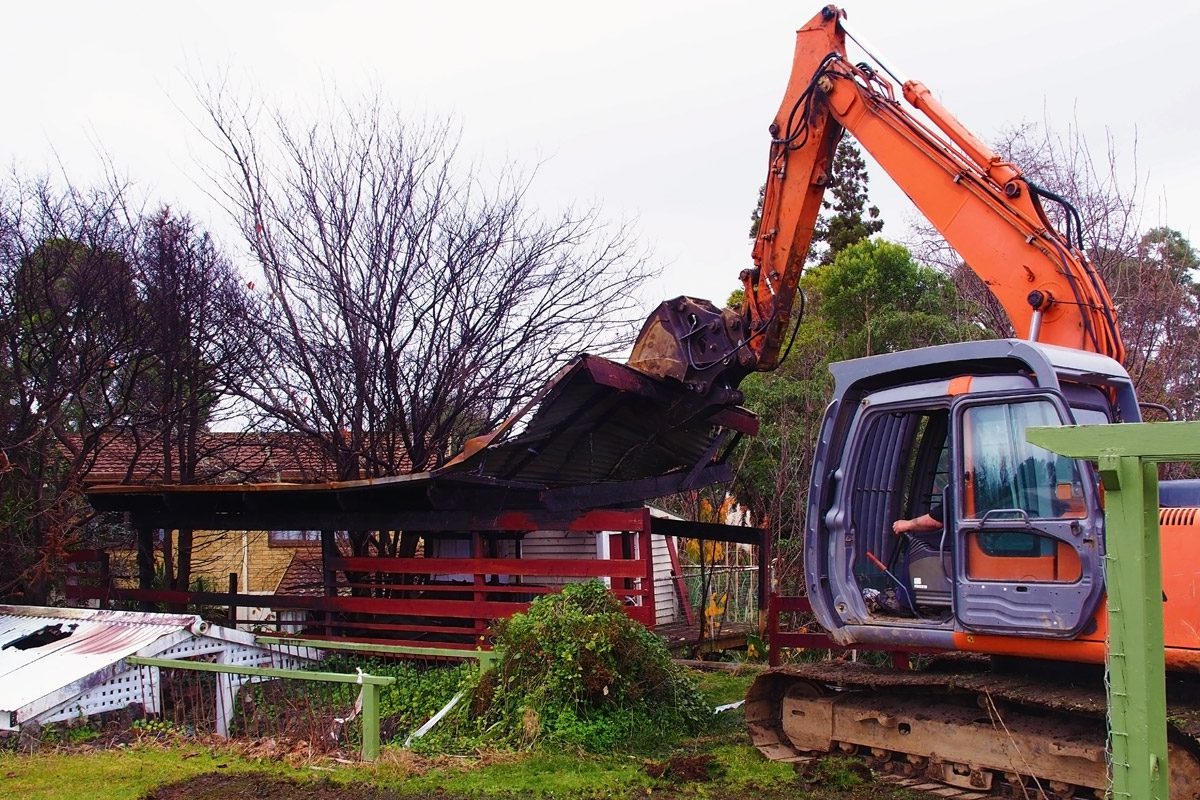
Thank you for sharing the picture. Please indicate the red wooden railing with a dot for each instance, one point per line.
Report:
(394, 600)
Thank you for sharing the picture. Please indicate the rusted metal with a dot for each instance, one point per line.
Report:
(1007, 727)
(603, 422)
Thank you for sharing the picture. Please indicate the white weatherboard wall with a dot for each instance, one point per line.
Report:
(588, 546)
(45, 677)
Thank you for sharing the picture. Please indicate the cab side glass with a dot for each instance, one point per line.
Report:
(1005, 473)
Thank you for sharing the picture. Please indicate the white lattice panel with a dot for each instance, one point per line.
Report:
(132, 687)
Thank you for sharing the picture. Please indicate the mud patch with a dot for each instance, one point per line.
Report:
(683, 769)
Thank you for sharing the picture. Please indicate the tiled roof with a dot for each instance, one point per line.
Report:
(228, 457)
(303, 575)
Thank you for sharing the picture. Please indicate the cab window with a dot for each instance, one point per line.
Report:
(1005, 473)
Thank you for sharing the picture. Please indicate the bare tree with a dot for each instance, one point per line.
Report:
(409, 303)
(68, 367)
(196, 340)
(1106, 198)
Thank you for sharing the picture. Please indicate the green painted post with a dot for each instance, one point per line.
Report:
(1128, 456)
(370, 684)
(1137, 675)
(370, 721)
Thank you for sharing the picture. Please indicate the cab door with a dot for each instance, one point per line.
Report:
(1027, 528)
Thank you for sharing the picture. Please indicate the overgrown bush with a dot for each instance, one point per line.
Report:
(575, 670)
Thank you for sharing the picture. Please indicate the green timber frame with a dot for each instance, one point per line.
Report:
(1128, 456)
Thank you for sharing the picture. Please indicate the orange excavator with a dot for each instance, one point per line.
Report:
(1016, 572)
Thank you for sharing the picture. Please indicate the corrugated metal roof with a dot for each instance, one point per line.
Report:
(98, 639)
(598, 421)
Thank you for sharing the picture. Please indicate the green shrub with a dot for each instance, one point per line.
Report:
(575, 670)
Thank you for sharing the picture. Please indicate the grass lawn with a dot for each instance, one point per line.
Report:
(729, 768)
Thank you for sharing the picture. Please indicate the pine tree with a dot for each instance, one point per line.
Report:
(846, 218)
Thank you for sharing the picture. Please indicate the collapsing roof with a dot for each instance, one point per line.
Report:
(599, 434)
(65, 663)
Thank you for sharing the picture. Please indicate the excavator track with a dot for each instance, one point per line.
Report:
(971, 734)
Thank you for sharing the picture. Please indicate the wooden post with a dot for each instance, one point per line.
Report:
(477, 580)
(105, 580)
(764, 581)
(646, 546)
(233, 590)
(328, 579)
(1128, 455)
(145, 560)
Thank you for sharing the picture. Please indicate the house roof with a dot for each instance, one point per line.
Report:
(227, 457)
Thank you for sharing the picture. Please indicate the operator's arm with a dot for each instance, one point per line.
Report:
(921, 524)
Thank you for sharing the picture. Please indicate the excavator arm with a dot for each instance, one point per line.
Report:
(983, 205)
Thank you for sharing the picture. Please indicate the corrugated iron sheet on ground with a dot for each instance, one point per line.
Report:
(97, 639)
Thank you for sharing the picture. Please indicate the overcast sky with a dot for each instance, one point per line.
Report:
(656, 110)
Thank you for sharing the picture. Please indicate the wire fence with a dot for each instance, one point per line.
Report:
(723, 593)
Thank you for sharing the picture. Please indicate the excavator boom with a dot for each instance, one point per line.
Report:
(983, 205)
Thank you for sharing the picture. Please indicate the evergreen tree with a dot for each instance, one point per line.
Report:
(846, 217)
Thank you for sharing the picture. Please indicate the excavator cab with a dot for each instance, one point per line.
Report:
(1020, 551)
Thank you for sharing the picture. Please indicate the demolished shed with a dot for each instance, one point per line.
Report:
(61, 664)
(436, 556)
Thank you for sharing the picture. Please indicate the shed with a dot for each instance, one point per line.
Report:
(65, 663)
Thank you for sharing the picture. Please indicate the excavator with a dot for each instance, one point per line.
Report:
(1014, 577)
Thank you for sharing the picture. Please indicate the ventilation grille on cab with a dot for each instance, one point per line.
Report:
(1183, 517)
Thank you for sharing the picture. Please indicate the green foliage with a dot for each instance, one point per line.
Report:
(82, 734)
(575, 670)
(156, 728)
(875, 298)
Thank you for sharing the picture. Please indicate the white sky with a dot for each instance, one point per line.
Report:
(656, 110)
